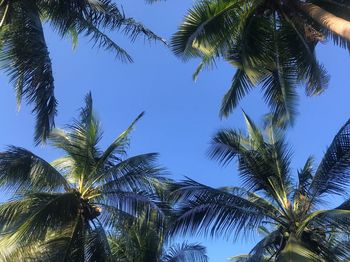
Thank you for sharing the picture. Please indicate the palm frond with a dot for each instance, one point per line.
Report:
(280, 81)
(206, 24)
(20, 168)
(226, 145)
(245, 38)
(102, 15)
(186, 253)
(140, 240)
(111, 215)
(240, 86)
(31, 218)
(266, 249)
(101, 40)
(25, 58)
(255, 135)
(305, 175)
(208, 61)
(131, 202)
(66, 244)
(332, 173)
(204, 210)
(119, 143)
(302, 52)
(133, 173)
(280, 93)
(337, 218)
(262, 166)
(98, 248)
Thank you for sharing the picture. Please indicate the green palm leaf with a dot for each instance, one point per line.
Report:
(31, 218)
(20, 168)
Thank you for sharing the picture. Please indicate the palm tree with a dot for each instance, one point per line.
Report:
(300, 228)
(146, 239)
(60, 210)
(270, 42)
(24, 54)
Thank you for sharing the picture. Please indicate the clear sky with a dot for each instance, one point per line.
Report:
(181, 115)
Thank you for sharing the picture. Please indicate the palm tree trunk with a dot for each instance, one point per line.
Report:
(333, 23)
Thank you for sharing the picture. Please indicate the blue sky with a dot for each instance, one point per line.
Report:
(181, 115)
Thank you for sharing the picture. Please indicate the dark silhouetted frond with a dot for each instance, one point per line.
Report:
(186, 253)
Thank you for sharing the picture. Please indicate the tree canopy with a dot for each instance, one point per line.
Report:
(24, 54)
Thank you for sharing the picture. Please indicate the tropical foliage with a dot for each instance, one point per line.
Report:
(102, 205)
(62, 211)
(24, 55)
(270, 43)
(146, 239)
(297, 226)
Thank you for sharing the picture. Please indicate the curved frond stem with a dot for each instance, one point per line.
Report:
(4, 16)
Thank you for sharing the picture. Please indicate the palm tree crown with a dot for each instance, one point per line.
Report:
(298, 230)
(24, 54)
(270, 42)
(60, 210)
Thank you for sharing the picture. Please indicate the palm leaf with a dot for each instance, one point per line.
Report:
(31, 218)
(25, 58)
(101, 40)
(265, 249)
(205, 210)
(262, 166)
(119, 143)
(240, 86)
(67, 244)
(332, 173)
(207, 23)
(128, 175)
(131, 202)
(98, 248)
(102, 15)
(302, 51)
(20, 168)
(185, 253)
